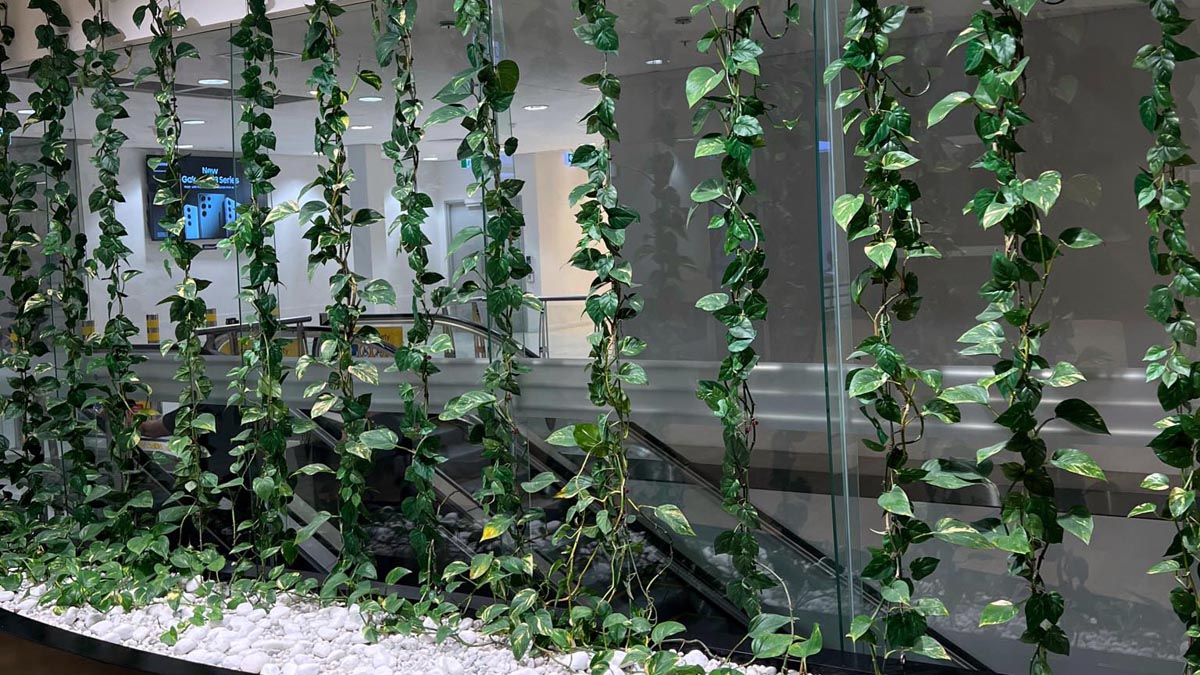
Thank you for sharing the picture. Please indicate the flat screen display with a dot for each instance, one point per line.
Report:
(207, 212)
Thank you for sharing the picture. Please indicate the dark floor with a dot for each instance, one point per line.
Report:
(19, 657)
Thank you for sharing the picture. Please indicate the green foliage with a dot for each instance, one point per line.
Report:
(732, 92)
(1031, 518)
(329, 232)
(393, 22)
(477, 95)
(23, 465)
(258, 381)
(896, 398)
(65, 250)
(1163, 190)
(196, 489)
(601, 509)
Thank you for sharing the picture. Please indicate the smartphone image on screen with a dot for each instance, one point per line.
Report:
(231, 207)
(191, 221)
(212, 215)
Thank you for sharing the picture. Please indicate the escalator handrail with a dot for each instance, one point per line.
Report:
(814, 555)
(445, 320)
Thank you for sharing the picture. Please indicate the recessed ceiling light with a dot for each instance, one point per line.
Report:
(537, 107)
(431, 159)
(655, 62)
(25, 111)
(370, 99)
(212, 81)
(185, 147)
(192, 123)
(312, 92)
(360, 127)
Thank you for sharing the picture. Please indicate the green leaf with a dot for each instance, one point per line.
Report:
(1065, 375)
(712, 302)
(958, 533)
(379, 292)
(701, 81)
(965, 393)
(539, 482)
(770, 646)
(1156, 482)
(881, 253)
(1082, 415)
(1165, 567)
(802, 649)
(845, 208)
(1078, 237)
(945, 106)
(459, 406)
(674, 519)
(896, 501)
(305, 533)
(1142, 509)
(1044, 191)
(564, 437)
(709, 146)
(379, 439)
(897, 160)
(859, 627)
(464, 235)
(998, 612)
(1078, 521)
(205, 422)
(1077, 462)
(708, 190)
(866, 381)
(497, 526)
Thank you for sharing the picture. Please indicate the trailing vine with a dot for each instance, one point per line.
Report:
(30, 313)
(1164, 191)
(493, 276)
(393, 22)
(258, 381)
(1032, 517)
(889, 389)
(734, 39)
(123, 387)
(331, 222)
(602, 509)
(740, 112)
(196, 488)
(53, 73)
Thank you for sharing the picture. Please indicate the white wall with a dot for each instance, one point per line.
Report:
(550, 237)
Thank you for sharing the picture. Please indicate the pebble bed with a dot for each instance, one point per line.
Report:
(299, 637)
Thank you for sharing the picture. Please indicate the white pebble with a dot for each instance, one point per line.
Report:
(254, 662)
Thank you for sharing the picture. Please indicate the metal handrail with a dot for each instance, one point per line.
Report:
(235, 327)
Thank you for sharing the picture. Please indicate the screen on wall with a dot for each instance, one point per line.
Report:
(207, 212)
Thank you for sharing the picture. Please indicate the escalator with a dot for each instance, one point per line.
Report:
(690, 590)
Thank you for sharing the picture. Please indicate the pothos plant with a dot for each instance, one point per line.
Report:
(1032, 518)
(732, 92)
(28, 313)
(129, 514)
(494, 276)
(258, 381)
(393, 25)
(331, 222)
(196, 488)
(602, 508)
(1164, 191)
(65, 250)
(896, 398)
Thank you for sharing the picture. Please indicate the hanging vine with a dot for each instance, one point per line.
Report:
(736, 41)
(493, 275)
(123, 388)
(1032, 516)
(331, 222)
(890, 390)
(740, 112)
(65, 250)
(258, 381)
(195, 492)
(393, 25)
(1164, 191)
(30, 312)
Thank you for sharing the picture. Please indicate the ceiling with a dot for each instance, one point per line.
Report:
(658, 39)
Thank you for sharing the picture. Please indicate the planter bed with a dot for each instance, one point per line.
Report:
(294, 637)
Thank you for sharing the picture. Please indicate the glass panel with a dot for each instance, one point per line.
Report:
(1079, 75)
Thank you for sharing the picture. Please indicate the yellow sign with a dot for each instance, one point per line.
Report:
(152, 335)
